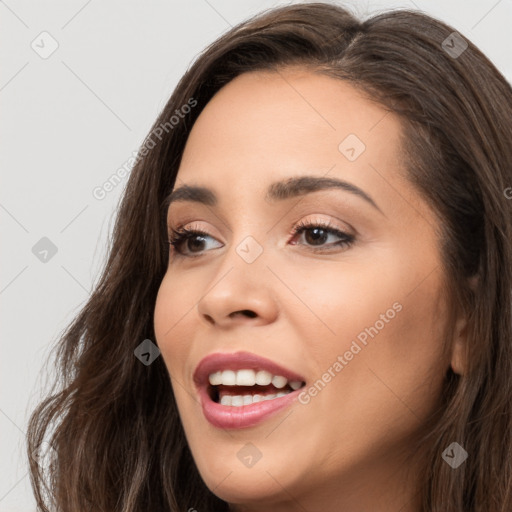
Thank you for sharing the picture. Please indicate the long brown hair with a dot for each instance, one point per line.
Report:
(116, 437)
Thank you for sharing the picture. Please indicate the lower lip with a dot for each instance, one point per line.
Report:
(225, 416)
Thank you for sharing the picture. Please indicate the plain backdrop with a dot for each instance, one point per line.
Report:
(81, 83)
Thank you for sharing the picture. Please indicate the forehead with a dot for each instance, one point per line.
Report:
(266, 126)
(260, 103)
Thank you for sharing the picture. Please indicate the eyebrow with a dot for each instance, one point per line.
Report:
(277, 191)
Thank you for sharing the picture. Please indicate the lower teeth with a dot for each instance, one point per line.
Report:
(239, 400)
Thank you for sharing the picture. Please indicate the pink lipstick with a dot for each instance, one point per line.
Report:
(241, 389)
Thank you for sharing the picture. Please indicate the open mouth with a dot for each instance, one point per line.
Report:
(247, 386)
(241, 389)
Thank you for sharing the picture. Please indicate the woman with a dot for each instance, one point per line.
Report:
(307, 302)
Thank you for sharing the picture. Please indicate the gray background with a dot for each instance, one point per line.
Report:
(70, 121)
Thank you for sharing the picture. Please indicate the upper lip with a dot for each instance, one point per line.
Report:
(239, 361)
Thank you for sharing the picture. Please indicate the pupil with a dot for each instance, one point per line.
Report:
(316, 236)
(198, 240)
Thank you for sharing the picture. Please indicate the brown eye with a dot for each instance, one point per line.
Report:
(316, 234)
(193, 240)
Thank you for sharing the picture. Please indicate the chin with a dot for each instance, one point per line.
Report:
(245, 486)
(229, 478)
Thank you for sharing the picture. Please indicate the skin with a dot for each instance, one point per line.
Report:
(345, 449)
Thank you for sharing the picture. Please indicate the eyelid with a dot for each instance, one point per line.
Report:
(324, 219)
(329, 221)
(192, 225)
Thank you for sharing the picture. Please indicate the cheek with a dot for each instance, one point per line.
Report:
(386, 322)
(335, 303)
(174, 305)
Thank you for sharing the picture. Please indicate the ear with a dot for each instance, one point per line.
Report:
(459, 346)
(458, 360)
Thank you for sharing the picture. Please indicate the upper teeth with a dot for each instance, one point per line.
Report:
(250, 378)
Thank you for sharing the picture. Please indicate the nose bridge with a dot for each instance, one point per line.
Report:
(241, 284)
(248, 240)
(244, 266)
(249, 249)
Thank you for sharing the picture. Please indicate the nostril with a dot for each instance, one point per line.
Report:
(247, 312)
(209, 319)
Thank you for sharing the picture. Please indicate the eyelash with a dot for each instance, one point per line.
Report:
(181, 235)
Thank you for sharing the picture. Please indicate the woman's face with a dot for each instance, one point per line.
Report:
(351, 308)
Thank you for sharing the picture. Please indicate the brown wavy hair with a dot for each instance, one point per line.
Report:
(112, 423)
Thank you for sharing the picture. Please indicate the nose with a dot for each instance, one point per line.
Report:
(239, 293)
